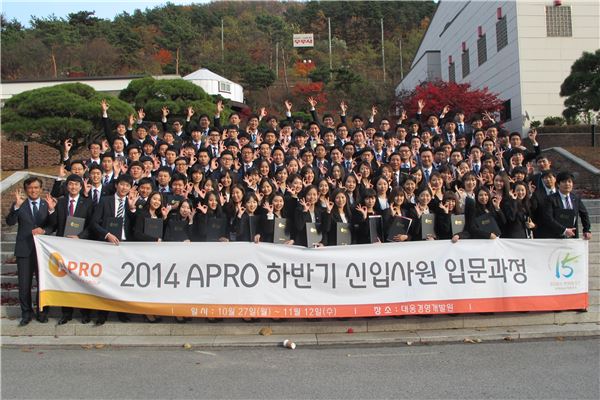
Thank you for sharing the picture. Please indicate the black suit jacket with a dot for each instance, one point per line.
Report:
(106, 209)
(555, 229)
(83, 209)
(24, 246)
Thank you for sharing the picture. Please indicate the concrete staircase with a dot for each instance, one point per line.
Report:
(570, 321)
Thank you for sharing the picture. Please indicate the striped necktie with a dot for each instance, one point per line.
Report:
(121, 209)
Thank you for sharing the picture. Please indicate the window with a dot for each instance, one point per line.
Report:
(501, 34)
(506, 114)
(466, 68)
(558, 21)
(481, 50)
(452, 72)
(224, 87)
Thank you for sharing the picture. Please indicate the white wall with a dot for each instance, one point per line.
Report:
(211, 86)
(546, 61)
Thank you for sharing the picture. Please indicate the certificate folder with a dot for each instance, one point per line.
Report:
(216, 228)
(487, 223)
(375, 228)
(281, 232)
(458, 223)
(115, 226)
(153, 227)
(343, 234)
(313, 235)
(427, 225)
(74, 226)
(400, 226)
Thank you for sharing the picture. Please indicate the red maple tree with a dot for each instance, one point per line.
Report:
(438, 94)
(314, 90)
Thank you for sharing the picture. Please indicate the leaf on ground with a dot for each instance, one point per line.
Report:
(187, 346)
(100, 346)
(266, 331)
(87, 346)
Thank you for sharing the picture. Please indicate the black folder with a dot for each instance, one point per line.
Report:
(399, 226)
(458, 223)
(281, 233)
(74, 226)
(153, 227)
(312, 234)
(114, 225)
(216, 228)
(253, 226)
(427, 225)
(565, 217)
(487, 223)
(343, 234)
(375, 228)
(177, 231)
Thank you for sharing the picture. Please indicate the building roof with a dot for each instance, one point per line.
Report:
(204, 74)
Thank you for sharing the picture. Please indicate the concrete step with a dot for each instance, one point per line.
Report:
(8, 236)
(8, 268)
(9, 279)
(7, 255)
(200, 327)
(7, 246)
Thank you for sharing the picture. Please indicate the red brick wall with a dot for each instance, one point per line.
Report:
(548, 140)
(584, 179)
(40, 155)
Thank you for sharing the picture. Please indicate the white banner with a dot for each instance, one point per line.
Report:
(303, 40)
(277, 281)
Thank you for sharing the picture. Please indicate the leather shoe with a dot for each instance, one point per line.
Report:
(63, 320)
(100, 321)
(42, 318)
(85, 319)
(24, 321)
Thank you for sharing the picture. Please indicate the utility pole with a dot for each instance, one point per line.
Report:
(382, 51)
(222, 47)
(330, 60)
(277, 60)
(401, 67)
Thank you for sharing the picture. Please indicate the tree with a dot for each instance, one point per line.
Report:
(52, 114)
(56, 34)
(582, 86)
(438, 94)
(176, 94)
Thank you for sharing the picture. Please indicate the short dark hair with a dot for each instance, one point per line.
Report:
(31, 180)
(563, 176)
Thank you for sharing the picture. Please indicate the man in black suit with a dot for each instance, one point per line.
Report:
(120, 207)
(32, 216)
(73, 204)
(557, 205)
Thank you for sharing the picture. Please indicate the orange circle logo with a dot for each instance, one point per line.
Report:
(57, 265)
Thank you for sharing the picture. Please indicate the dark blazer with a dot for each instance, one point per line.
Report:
(300, 220)
(330, 227)
(110, 135)
(555, 229)
(169, 230)
(538, 200)
(139, 225)
(516, 219)
(83, 209)
(106, 209)
(443, 226)
(24, 246)
(472, 212)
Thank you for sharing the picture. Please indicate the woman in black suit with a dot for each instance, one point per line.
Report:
(152, 209)
(242, 222)
(277, 208)
(340, 212)
(399, 207)
(309, 210)
(484, 204)
(178, 226)
(209, 208)
(443, 218)
(518, 212)
(362, 213)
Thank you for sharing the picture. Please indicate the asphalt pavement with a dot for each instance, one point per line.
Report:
(557, 368)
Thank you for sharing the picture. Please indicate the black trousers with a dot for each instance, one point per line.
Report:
(67, 312)
(26, 268)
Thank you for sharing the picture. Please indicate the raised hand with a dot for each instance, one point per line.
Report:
(220, 107)
(446, 109)
(131, 120)
(421, 104)
(104, 105)
(202, 208)
(68, 145)
(51, 202)
(363, 210)
(288, 105)
(532, 135)
(269, 207)
(312, 102)
(496, 202)
(165, 111)
(141, 114)
(202, 193)
(329, 206)
(190, 112)
(373, 110)
(262, 113)
(19, 198)
(62, 172)
(304, 204)
(87, 186)
(343, 107)
(132, 198)
(240, 210)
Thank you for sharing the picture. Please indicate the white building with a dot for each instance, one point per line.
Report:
(215, 84)
(521, 50)
(212, 84)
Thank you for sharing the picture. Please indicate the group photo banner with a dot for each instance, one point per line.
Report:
(248, 280)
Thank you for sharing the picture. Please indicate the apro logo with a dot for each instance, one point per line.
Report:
(56, 264)
(60, 268)
(563, 263)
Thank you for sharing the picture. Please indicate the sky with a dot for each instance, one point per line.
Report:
(23, 10)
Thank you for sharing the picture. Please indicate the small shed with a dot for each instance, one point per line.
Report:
(214, 84)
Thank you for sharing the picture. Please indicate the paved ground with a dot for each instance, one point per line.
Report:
(565, 369)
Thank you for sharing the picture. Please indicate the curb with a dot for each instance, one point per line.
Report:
(407, 338)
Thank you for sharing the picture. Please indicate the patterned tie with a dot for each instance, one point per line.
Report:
(569, 205)
(426, 175)
(121, 209)
(35, 209)
(95, 196)
(71, 207)
(105, 179)
(476, 169)
(461, 128)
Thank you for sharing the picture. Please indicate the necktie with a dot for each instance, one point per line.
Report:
(569, 205)
(162, 189)
(95, 196)
(348, 165)
(476, 169)
(461, 128)
(378, 157)
(426, 175)
(121, 209)
(71, 207)
(106, 179)
(35, 209)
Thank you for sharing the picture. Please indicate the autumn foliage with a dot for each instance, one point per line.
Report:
(438, 94)
(314, 90)
(163, 56)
